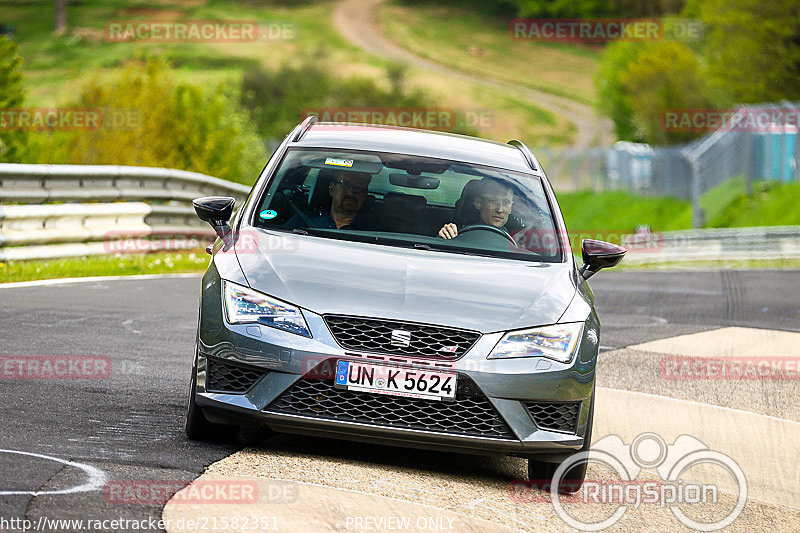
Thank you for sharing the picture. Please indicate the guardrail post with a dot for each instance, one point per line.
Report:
(698, 216)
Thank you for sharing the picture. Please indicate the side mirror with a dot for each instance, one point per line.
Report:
(598, 255)
(216, 210)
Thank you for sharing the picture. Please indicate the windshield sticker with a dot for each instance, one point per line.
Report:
(268, 214)
(338, 162)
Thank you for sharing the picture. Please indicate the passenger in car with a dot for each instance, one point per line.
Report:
(491, 205)
(348, 191)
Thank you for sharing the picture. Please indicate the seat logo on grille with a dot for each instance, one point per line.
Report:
(401, 337)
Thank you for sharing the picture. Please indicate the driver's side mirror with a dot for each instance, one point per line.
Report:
(598, 255)
(216, 210)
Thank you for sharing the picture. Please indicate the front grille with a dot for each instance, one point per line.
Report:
(225, 376)
(555, 416)
(470, 414)
(375, 335)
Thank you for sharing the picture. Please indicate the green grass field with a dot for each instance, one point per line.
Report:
(728, 205)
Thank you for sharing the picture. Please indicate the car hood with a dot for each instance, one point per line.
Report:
(350, 278)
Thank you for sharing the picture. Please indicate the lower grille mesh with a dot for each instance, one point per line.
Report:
(224, 376)
(561, 416)
(470, 414)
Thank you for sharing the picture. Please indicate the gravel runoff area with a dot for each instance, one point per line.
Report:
(492, 489)
(481, 488)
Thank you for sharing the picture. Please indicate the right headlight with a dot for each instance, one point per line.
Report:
(246, 306)
(555, 342)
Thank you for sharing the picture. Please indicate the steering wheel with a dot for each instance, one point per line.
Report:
(487, 227)
(290, 193)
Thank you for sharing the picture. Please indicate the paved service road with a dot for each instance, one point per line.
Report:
(129, 425)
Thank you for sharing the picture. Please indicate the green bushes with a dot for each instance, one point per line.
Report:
(151, 120)
(12, 143)
(749, 54)
(638, 82)
(276, 99)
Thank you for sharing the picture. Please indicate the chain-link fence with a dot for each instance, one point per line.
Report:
(756, 142)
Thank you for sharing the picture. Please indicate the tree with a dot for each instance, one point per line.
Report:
(664, 76)
(752, 48)
(60, 26)
(150, 120)
(613, 99)
(12, 96)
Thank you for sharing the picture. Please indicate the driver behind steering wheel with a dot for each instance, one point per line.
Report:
(493, 203)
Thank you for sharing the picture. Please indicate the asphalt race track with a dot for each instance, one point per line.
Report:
(129, 425)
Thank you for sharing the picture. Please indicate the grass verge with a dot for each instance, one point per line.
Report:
(726, 206)
(105, 265)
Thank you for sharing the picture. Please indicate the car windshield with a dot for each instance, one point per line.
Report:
(408, 201)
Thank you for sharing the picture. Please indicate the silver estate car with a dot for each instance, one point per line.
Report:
(403, 287)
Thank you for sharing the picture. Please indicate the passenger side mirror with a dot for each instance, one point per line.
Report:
(598, 255)
(216, 210)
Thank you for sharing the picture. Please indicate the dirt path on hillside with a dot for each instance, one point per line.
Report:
(357, 21)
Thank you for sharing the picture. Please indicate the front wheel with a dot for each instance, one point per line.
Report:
(540, 473)
(197, 426)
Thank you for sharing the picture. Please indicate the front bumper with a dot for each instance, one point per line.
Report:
(284, 362)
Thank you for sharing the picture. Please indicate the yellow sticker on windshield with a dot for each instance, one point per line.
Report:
(339, 162)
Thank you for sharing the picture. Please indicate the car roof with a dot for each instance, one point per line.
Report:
(380, 138)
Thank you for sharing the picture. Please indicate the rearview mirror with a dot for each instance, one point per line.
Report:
(598, 255)
(413, 182)
(216, 210)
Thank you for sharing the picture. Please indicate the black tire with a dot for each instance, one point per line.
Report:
(541, 473)
(197, 426)
(254, 435)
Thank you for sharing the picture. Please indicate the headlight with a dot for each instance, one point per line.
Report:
(556, 342)
(246, 306)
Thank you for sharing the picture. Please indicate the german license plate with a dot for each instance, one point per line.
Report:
(396, 381)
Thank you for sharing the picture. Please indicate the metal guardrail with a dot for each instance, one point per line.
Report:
(68, 210)
(719, 244)
(91, 222)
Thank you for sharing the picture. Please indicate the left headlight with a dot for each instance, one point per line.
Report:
(246, 306)
(556, 342)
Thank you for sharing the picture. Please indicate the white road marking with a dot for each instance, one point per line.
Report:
(64, 281)
(728, 342)
(95, 478)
